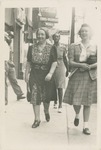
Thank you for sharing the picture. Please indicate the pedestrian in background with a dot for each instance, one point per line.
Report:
(82, 85)
(10, 72)
(41, 64)
(61, 70)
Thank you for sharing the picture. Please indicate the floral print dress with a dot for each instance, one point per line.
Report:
(41, 62)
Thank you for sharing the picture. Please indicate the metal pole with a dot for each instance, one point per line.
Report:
(72, 26)
(68, 138)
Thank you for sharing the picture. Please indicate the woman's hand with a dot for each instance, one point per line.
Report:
(27, 72)
(85, 66)
(48, 77)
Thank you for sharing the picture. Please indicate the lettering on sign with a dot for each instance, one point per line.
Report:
(55, 20)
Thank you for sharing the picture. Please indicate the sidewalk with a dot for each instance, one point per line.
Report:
(53, 135)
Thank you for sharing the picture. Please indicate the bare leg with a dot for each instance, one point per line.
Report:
(77, 111)
(60, 94)
(86, 114)
(55, 101)
(36, 109)
(46, 111)
(46, 107)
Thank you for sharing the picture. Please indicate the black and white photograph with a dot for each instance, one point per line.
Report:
(50, 75)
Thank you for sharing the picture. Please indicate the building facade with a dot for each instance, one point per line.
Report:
(24, 22)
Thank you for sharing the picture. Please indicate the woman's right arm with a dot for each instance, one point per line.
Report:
(72, 62)
(27, 71)
(28, 64)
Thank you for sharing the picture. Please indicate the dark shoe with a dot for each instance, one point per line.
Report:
(36, 124)
(76, 122)
(60, 109)
(55, 106)
(6, 102)
(47, 116)
(86, 131)
(20, 97)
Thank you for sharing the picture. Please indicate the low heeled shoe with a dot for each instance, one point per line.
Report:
(55, 106)
(86, 131)
(20, 97)
(36, 124)
(47, 116)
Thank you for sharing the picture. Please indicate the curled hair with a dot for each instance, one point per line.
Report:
(85, 25)
(55, 34)
(46, 32)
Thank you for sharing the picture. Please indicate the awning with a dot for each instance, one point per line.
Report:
(9, 19)
(9, 16)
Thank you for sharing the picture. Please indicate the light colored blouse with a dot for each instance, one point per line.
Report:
(86, 52)
(75, 51)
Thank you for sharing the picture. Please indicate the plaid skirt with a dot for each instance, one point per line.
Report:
(81, 90)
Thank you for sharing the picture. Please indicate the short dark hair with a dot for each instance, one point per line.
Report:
(55, 34)
(45, 30)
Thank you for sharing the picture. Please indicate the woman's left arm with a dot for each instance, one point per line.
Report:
(52, 69)
(66, 63)
(92, 66)
(53, 64)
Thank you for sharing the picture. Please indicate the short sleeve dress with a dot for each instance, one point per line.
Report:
(60, 72)
(82, 85)
(41, 90)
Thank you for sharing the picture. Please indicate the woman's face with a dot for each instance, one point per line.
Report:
(56, 37)
(85, 33)
(41, 36)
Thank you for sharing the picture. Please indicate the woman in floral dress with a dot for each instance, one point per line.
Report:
(41, 64)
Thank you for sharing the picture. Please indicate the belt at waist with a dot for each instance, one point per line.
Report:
(42, 67)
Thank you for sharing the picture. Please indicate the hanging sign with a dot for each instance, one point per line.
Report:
(48, 12)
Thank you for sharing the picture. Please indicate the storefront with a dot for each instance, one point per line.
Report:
(14, 21)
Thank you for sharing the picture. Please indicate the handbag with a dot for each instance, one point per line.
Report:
(71, 73)
(28, 93)
(92, 59)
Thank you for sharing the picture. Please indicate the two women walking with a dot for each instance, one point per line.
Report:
(47, 64)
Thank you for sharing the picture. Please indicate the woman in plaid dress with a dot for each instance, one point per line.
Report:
(82, 85)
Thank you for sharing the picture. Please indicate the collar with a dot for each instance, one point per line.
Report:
(80, 43)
